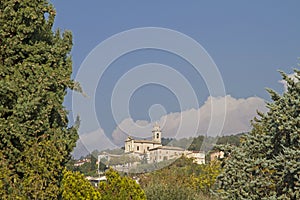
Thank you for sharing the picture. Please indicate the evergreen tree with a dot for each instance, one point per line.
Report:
(267, 164)
(35, 70)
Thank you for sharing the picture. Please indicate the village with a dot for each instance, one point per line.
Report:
(149, 152)
(140, 156)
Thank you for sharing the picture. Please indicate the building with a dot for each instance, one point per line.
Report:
(143, 146)
(162, 153)
(148, 151)
(155, 152)
(198, 156)
(81, 162)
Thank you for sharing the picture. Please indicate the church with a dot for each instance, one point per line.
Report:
(151, 151)
(155, 152)
(143, 146)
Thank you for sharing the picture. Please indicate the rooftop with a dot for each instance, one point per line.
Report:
(168, 148)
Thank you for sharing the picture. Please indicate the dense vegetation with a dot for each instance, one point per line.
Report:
(75, 186)
(120, 187)
(195, 143)
(88, 168)
(183, 179)
(267, 163)
(35, 71)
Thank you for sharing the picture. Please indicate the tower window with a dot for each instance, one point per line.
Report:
(157, 135)
(138, 148)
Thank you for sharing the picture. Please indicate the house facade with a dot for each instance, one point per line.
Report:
(163, 153)
(198, 156)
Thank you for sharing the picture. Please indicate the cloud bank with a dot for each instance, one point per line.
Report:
(239, 113)
(88, 142)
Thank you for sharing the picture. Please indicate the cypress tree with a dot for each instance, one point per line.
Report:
(35, 70)
(267, 163)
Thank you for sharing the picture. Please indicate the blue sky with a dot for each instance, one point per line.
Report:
(248, 41)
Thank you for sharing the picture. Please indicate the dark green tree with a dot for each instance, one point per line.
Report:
(267, 163)
(35, 70)
(89, 168)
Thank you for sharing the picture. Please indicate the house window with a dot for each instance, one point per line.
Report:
(138, 148)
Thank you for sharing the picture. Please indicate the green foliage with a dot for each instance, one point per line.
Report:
(35, 70)
(166, 191)
(183, 179)
(195, 143)
(206, 179)
(6, 191)
(123, 159)
(75, 186)
(117, 151)
(149, 167)
(117, 187)
(70, 165)
(267, 164)
(88, 168)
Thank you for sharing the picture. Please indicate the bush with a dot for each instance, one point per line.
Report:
(75, 186)
(117, 187)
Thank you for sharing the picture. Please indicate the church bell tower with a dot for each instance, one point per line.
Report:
(156, 133)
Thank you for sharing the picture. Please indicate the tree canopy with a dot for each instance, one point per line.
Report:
(267, 163)
(182, 179)
(120, 187)
(75, 186)
(35, 71)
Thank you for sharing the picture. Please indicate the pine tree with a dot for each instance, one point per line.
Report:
(267, 164)
(35, 70)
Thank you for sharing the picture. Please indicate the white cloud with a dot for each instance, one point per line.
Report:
(292, 76)
(88, 142)
(140, 128)
(239, 112)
